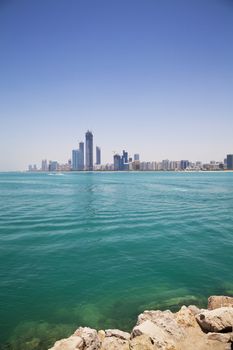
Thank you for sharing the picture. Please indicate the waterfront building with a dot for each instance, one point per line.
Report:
(136, 165)
(125, 157)
(44, 165)
(230, 162)
(98, 155)
(136, 157)
(184, 164)
(53, 165)
(75, 159)
(165, 164)
(81, 156)
(117, 162)
(89, 151)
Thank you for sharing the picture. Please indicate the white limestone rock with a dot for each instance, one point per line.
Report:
(216, 320)
(117, 333)
(90, 338)
(217, 301)
(72, 343)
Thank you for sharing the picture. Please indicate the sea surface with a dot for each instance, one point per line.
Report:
(96, 249)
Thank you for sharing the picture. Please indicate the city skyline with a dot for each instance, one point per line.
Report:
(82, 159)
(151, 77)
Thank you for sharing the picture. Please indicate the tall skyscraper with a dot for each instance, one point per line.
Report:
(125, 157)
(136, 157)
(89, 151)
(78, 158)
(117, 162)
(81, 156)
(75, 159)
(98, 155)
(230, 162)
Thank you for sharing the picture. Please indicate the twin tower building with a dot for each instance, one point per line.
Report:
(78, 161)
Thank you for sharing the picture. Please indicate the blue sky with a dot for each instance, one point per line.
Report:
(154, 77)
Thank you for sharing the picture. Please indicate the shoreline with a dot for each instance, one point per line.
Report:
(190, 328)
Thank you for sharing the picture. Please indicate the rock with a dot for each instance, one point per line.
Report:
(101, 335)
(114, 343)
(215, 302)
(158, 336)
(216, 320)
(185, 318)
(142, 342)
(164, 320)
(194, 309)
(117, 333)
(222, 337)
(90, 338)
(71, 343)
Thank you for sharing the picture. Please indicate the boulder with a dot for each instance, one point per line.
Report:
(90, 338)
(72, 343)
(194, 309)
(185, 318)
(117, 333)
(217, 320)
(114, 343)
(222, 337)
(217, 301)
(142, 342)
(165, 320)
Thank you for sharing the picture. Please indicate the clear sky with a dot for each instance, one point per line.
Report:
(153, 77)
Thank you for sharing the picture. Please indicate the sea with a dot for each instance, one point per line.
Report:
(98, 248)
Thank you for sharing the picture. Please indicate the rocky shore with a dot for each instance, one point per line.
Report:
(190, 328)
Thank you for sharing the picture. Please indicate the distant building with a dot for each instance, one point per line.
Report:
(53, 165)
(230, 162)
(89, 151)
(98, 155)
(136, 157)
(81, 156)
(125, 157)
(75, 159)
(184, 164)
(117, 162)
(44, 165)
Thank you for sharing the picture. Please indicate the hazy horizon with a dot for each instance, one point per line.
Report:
(152, 77)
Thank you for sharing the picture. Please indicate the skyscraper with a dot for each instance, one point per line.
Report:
(75, 159)
(136, 156)
(81, 156)
(117, 162)
(89, 151)
(44, 165)
(230, 162)
(98, 155)
(125, 157)
(78, 158)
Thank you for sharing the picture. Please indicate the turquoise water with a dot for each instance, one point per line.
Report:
(95, 249)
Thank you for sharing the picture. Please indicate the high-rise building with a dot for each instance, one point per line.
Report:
(98, 155)
(75, 159)
(117, 162)
(44, 165)
(125, 157)
(230, 162)
(184, 164)
(78, 158)
(136, 157)
(89, 151)
(81, 156)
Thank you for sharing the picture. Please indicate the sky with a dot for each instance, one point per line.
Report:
(154, 77)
